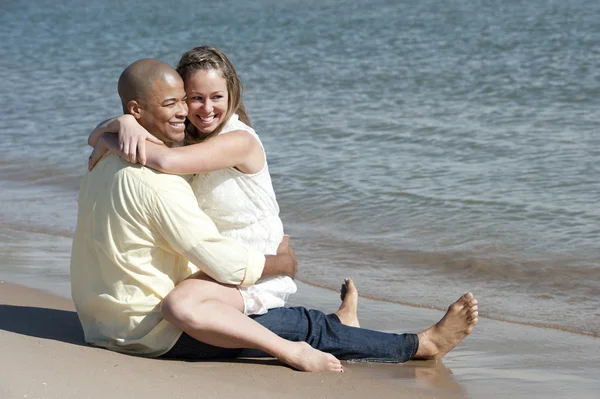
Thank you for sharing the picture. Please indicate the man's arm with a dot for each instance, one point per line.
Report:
(192, 234)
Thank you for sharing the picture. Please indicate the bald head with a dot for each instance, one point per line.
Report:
(137, 80)
(154, 94)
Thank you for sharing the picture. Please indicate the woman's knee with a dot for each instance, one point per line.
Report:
(184, 305)
(178, 305)
(174, 308)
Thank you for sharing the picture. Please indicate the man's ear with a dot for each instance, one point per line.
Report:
(136, 109)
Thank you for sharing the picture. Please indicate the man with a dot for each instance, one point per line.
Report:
(136, 231)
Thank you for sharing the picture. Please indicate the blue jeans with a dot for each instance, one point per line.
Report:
(321, 331)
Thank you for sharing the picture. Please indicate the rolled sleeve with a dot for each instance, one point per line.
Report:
(254, 269)
(192, 234)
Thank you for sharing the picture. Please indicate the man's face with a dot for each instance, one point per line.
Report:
(164, 110)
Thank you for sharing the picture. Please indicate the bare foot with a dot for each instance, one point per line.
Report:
(457, 323)
(304, 357)
(348, 311)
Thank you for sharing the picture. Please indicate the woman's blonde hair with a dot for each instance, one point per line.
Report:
(206, 58)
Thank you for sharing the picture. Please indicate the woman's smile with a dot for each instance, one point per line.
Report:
(207, 99)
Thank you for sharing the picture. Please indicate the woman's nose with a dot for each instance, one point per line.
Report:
(208, 105)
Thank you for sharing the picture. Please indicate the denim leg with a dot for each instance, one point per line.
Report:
(326, 333)
(188, 348)
(321, 331)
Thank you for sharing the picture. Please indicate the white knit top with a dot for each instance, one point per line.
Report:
(244, 207)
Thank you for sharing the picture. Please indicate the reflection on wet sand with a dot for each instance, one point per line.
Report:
(426, 375)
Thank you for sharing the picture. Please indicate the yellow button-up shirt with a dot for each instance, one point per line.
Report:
(139, 233)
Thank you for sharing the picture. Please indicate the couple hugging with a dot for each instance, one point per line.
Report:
(179, 250)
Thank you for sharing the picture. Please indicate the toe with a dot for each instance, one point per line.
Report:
(344, 289)
(465, 299)
(474, 315)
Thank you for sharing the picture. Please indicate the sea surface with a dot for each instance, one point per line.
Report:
(424, 148)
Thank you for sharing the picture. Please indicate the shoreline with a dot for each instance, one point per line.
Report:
(499, 359)
(481, 314)
(32, 253)
(41, 331)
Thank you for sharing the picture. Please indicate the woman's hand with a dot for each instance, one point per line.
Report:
(132, 139)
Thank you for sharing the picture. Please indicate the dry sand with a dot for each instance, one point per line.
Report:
(44, 356)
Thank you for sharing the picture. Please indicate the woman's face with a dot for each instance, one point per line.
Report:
(207, 99)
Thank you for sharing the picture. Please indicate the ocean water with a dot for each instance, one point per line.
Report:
(423, 148)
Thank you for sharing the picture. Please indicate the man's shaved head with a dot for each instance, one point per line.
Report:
(154, 94)
(136, 81)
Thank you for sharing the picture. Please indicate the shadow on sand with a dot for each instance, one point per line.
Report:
(58, 325)
(64, 326)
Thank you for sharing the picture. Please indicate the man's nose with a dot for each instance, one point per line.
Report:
(182, 109)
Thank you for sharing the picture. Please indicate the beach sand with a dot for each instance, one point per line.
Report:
(44, 355)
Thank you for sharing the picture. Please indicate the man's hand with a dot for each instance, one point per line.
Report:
(284, 263)
(288, 256)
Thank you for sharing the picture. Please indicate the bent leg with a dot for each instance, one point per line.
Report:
(215, 317)
(200, 288)
(217, 324)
